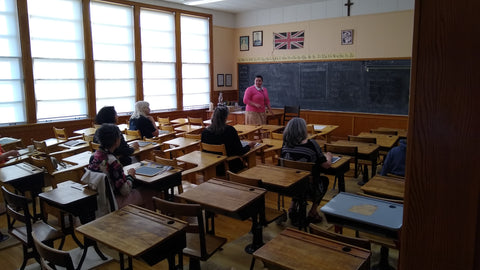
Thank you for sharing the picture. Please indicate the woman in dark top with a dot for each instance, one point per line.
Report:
(221, 133)
(140, 120)
(297, 147)
(108, 115)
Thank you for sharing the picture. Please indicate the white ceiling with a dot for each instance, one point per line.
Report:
(239, 6)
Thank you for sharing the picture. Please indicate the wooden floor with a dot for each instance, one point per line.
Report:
(11, 258)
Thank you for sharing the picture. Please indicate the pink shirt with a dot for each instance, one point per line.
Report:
(259, 97)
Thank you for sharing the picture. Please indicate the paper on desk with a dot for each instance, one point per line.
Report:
(364, 209)
(319, 127)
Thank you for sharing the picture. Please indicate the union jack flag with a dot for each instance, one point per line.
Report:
(290, 40)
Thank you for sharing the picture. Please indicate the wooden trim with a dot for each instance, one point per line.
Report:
(27, 63)
(178, 68)
(328, 60)
(89, 63)
(138, 54)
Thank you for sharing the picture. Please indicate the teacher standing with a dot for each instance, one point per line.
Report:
(256, 99)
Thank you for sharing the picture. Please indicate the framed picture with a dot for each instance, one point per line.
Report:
(257, 38)
(220, 80)
(347, 37)
(228, 79)
(244, 43)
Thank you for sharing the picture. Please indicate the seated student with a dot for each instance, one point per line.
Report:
(297, 147)
(125, 187)
(5, 155)
(221, 133)
(108, 115)
(394, 162)
(140, 120)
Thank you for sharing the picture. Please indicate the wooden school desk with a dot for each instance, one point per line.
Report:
(230, 199)
(81, 159)
(145, 149)
(385, 186)
(90, 131)
(24, 177)
(324, 131)
(338, 169)
(73, 198)
(204, 163)
(367, 151)
(294, 249)
(246, 131)
(187, 128)
(181, 146)
(282, 180)
(164, 181)
(8, 143)
(386, 142)
(138, 233)
(273, 148)
(402, 133)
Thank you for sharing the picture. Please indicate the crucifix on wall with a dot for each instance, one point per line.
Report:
(348, 5)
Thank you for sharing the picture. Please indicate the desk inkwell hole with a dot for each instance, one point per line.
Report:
(392, 206)
(252, 189)
(170, 222)
(297, 171)
(346, 249)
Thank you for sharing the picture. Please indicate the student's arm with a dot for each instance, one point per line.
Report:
(6, 155)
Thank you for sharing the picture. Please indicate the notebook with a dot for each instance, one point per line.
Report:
(142, 144)
(335, 159)
(152, 169)
(74, 143)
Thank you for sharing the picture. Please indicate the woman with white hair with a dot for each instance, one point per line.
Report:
(141, 120)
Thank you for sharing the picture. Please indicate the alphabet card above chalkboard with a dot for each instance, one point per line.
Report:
(375, 86)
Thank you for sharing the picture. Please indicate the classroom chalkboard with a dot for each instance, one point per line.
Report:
(368, 86)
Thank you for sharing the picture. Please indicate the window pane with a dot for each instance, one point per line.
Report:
(158, 56)
(196, 61)
(12, 105)
(58, 58)
(114, 55)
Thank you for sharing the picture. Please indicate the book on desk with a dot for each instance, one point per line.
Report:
(152, 169)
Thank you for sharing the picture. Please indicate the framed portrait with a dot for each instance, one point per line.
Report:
(244, 43)
(220, 80)
(347, 37)
(228, 79)
(257, 38)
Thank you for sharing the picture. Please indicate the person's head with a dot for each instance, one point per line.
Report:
(295, 132)
(108, 135)
(141, 108)
(106, 114)
(258, 81)
(219, 119)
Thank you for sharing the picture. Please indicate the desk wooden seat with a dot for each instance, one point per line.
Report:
(138, 233)
(204, 163)
(385, 186)
(294, 249)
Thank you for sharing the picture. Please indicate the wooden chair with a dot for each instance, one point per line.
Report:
(219, 149)
(163, 121)
(40, 146)
(198, 121)
(200, 245)
(60, 133)
(354, 241)
(135, 133)
(51, 256)
(94, 146)
(174, 163)
(19, 212)
(351, 151)
(299, 165)
(290, 112)
(363, 162)
(192, 136)
(276, 136)
(87, 138)
(270, 215)
(169, 128)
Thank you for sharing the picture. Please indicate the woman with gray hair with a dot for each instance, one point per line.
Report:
(141, 120)
(297, 147)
